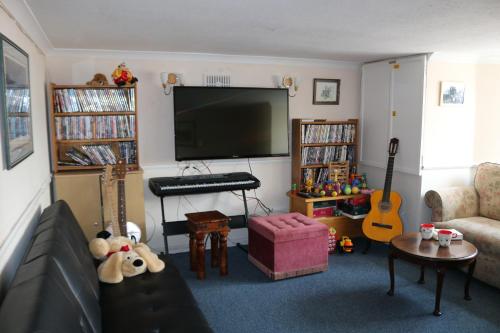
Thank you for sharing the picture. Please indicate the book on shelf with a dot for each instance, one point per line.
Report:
(318, 175)
(339, 133)
(94, 100)
(106, 127)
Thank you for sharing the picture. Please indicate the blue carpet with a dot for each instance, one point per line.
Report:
(349, 297)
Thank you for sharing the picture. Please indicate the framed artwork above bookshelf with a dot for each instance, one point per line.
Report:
(316, 143)
(92, 126)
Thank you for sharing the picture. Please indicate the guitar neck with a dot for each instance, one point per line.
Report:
(113, 209)
(388, 179)
(122, 214)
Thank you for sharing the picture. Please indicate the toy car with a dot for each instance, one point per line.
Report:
(346, 245)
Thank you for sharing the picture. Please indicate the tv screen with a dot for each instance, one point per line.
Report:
(213, 123)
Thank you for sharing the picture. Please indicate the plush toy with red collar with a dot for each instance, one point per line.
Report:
(121, 258)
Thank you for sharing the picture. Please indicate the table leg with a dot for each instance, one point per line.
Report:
(223, 252)
(472, 266)
(200, 255)
(391, 274)
(214, 249)
(192, 251)
(422, 275)
(439, 288)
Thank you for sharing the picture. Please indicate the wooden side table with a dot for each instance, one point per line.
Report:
(200, 225)
(411, 247)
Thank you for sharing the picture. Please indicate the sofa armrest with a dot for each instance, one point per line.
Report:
(453, 202)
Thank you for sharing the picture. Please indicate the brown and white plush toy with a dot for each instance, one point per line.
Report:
(123, 259)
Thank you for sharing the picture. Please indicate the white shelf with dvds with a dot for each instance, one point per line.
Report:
(92, 126)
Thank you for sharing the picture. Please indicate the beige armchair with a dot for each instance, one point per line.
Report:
(474, 211)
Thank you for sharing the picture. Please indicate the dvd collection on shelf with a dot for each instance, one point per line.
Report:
(94, 100)
(318, 175)
(341, 133)
(324, 155)
(90, 127)
(18, 100)
(101, 154)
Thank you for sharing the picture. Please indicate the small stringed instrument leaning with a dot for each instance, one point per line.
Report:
(383, 221)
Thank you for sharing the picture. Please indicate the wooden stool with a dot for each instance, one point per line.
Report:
(199, 225)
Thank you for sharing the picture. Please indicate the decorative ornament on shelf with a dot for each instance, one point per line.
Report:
(122, 75)
(99, 79)
(169, 80)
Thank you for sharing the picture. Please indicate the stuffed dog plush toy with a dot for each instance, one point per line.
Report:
(123, 259)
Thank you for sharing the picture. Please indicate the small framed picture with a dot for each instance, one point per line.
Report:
(15, 103)
(452, 93)
(326, 91)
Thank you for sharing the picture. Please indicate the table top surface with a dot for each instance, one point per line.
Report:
(412, 243)
(204, 217)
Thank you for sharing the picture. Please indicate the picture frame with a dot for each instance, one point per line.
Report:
(15, 103)
(326, 91)
(452, 93)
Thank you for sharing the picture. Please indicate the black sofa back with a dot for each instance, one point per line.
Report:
(56, 289)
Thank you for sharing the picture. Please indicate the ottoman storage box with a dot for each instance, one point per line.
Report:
(287, 245)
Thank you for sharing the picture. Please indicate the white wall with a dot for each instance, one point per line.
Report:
(155, 112)
(24, 190)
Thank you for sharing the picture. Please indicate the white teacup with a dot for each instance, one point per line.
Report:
(444, 237)
(426, 230)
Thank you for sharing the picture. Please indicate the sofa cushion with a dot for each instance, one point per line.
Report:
(483, 232)
(487, 183)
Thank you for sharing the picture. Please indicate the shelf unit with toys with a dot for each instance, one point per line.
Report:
(92, 126)
(319, 149)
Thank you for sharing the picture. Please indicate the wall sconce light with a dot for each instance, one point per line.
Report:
(289, 82)
(168, 80)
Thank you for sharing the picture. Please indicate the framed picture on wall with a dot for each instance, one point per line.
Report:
(15, 103)
(452, 93)
(326, 91)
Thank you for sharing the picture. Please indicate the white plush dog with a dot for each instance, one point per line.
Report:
(123, 259)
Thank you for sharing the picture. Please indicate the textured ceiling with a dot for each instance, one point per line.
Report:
(350, 30)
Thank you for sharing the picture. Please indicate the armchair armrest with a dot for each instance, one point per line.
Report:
(453, 202)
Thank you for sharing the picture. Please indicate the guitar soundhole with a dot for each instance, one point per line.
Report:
(384, 206)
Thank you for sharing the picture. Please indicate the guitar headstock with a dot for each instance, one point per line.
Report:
(121, 169)
(107, 176)
(393, 146)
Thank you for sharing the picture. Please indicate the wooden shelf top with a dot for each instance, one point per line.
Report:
(328, 122)
(84, 86)
(100, 113)
(92, 141)
(319, 199)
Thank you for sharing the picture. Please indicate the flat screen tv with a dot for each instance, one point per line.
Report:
(216, 123)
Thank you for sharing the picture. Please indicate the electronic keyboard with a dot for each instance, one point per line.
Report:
(209, 183)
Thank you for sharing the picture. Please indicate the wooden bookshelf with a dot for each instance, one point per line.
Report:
(299, 127)
(68, 103)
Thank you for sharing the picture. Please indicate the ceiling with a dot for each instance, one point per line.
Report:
(349, 30)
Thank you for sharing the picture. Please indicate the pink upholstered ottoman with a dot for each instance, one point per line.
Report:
(287, 245)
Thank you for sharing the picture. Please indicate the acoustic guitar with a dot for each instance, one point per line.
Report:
(383, 221)
(117, 204)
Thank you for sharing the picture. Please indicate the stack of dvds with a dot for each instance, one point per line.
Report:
(324, 155)
(128, 152)
(341, 133)
(74, 128)
(110, 127)
(94, 100)
(17, 100)
(100, 154)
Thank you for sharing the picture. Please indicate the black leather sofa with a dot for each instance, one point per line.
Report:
(56, 289)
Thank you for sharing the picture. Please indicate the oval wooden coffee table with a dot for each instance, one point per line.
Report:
(411, 247)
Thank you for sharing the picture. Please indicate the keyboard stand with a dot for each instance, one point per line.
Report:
(180, 228)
